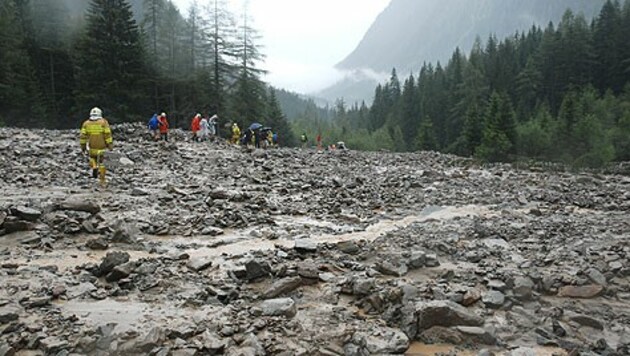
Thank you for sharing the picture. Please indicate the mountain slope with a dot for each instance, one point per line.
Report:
(410, 32)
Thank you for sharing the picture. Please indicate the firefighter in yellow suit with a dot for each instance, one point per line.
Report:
(96, 137)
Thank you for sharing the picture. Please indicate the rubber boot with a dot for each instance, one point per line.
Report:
(101, 174)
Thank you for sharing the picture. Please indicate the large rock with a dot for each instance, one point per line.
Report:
(596, 276)
(199, 263)
(493, 299)
(471, 297)
(390, 269)
(523, 288)
(256, 269)
(52, 345)
(26, 213)
(477, 335)
(305, 245)
(585, 292)
(349, 247)
(282, 286)
(278, 307)
(119, 272)
(444, 313)
(76, 204)
(587, 321)
(385, 340)
(9, 313)
(111, 260)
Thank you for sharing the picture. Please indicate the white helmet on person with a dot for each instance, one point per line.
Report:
(96, 114)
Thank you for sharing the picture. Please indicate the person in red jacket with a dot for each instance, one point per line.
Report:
(163, 125)
(195, 126)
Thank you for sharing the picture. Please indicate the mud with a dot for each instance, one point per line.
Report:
(206, 248)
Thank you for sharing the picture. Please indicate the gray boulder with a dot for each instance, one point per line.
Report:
(444, 313)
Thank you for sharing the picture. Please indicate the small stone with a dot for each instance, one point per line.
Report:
(615, 266)
(278, 307)
(417, 260)
(119, 272)
(76, 204)
(282, 286)
(587, 321)
(497, 285)
(523, 288)
(198, 264)
(36, 302)
(52, 345)
(432, 261)
(471, 297)
(256, 269)
(585, 292)
(138, 192)
(28, 214)
(9, 313)
(98, 243)
(349, 247)
(363, 286)
(212, 231)
(389, 269)
(58, 291)
(6, 349)
(126, 161)
(477, 335)
(493, 299)
(111, 260)
(384, 341)
(596, 276)
(444, 313)
(308, 270)
(305, 245)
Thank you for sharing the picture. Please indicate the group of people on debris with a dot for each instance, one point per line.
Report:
(96, 136)
(202, 127)
(255, 136)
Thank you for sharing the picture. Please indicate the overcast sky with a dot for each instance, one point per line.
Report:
(304, 39)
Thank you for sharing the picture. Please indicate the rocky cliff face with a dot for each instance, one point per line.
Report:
(410, 32)
(204, 248)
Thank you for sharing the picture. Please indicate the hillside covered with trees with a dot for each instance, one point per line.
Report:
(559, 93)
(131, 58)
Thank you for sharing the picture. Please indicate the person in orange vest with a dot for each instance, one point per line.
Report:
(96, 137)
(195, 126)
(163, 125)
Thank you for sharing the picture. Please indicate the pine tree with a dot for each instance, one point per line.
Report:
(221, 46)
(499, 132)
(608, 40)
(20, 98)
(278, 122)
(110, 58)
(248, 102)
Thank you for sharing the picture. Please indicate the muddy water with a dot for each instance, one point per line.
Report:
(420, 349)
(240, 242)
(134, 315)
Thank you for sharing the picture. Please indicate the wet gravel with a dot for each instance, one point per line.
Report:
(207, 248)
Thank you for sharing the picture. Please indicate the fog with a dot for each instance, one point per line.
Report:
(303, 40)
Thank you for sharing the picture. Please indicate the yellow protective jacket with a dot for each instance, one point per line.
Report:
(236, 132)
(97, 135)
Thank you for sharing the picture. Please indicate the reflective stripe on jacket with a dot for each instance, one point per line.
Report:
(96, 134)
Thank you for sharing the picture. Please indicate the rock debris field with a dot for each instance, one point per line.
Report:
(211, 249)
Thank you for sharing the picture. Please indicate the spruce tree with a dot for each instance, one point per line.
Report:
(111, 69)
(278, 122)
(499, 132)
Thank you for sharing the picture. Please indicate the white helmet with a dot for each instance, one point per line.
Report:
(96, 114)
